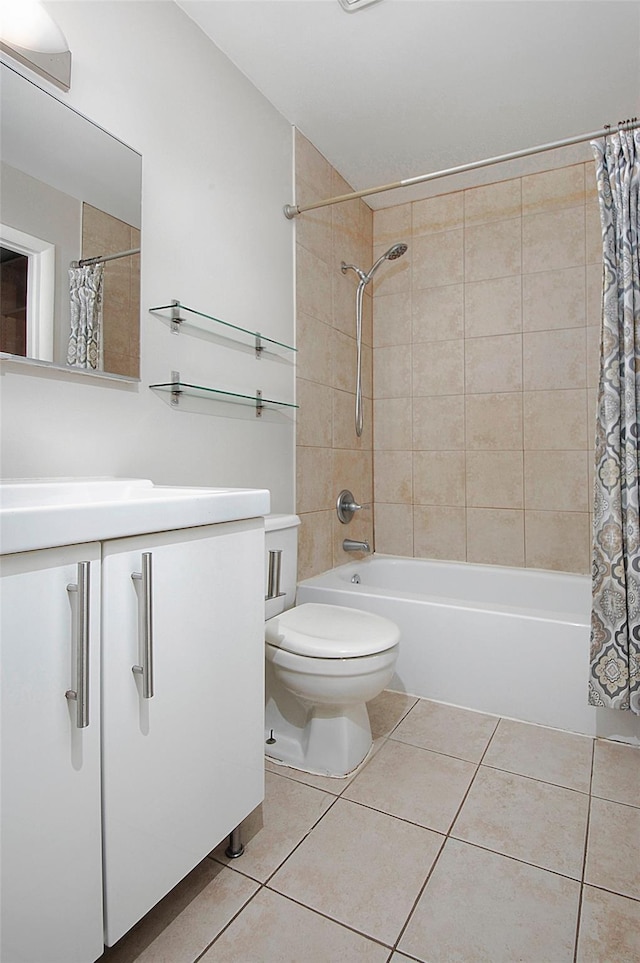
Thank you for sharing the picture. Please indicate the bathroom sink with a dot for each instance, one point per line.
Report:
(41, 513)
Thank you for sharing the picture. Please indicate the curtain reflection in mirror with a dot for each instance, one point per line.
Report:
(85, 299)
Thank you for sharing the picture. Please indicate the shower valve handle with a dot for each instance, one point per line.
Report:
(346, 505)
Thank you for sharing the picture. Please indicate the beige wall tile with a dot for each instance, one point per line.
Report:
(560, 541)
(492, 202)
(554, 299)
(344, 431)
(437, 259)
(495, 536)
(493, 250)
(313, 288)
(493, 307)
(343, 304)
(391, 224)
(394, 529)
(554, 359)
(314, 543)
(438, 313)
(353, 470)
(392, 323)
(439, 532)
(314, 340)
(555, 419)
(314, 478)
(393, 476)
(494, 364)
(392, 371)
(553, 241)
(349, 245)
(438, 423)
(445, 212)
(313, 421)
(553, 190)
(392, 424)
(556, 481)
(494, 422)
(494, 479)
(367, 371)
(438, 368)
(312, 166)
(439, 478)
(343, 361)
(314, 228)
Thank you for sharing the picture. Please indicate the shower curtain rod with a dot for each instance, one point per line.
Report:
(106, 257)
(292, 210)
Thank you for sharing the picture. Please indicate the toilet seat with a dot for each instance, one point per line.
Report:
(331, 631)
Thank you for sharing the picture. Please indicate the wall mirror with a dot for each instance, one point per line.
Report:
(70, 210)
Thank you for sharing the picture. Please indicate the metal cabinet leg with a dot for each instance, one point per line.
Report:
(235, 847)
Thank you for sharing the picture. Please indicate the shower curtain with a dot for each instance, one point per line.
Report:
(615, 616)
(85, 298)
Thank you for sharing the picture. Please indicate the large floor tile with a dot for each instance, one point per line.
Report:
(479, 907)
(447, 729)
(387, 710)
(550, 755)
(273, 928)
(533, 821)
(186, 921)
(616, 772)
(609, 928)
(613, 851)
(415, 784)
(361, 868)
(275, 828)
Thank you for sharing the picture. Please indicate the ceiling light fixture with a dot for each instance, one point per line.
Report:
(352, 5)
(29, 35)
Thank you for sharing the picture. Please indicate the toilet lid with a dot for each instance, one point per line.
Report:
(331, 631)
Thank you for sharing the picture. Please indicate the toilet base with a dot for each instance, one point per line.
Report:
(325, 740)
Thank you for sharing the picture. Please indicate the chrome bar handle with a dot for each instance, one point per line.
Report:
(80, 695)
(274, 574)
(146, 669)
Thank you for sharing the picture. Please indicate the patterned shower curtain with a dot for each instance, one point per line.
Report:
(85, 297)
(615, 616)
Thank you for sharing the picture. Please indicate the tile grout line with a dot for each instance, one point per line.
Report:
(584, 858)
(447, 836)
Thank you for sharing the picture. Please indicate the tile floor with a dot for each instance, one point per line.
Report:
(464, 838)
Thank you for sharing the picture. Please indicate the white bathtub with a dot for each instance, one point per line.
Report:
(512, 642)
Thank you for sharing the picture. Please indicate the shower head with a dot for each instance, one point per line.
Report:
(394, 252)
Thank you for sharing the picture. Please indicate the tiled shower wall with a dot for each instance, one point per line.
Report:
(329, 456)
(485, 365)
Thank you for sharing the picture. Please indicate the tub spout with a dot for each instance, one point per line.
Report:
(351, 545)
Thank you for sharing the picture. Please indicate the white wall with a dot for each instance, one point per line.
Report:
(216, 171)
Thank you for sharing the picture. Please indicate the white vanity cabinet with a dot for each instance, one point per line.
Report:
(51, 890)
(184, 766)
(172, 758)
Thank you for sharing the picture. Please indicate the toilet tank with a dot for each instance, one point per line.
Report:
(281, 535)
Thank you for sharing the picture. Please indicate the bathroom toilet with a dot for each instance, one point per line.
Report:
(323, 664)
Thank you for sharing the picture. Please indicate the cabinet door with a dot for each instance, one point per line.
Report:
(50, 833)
(180, 769)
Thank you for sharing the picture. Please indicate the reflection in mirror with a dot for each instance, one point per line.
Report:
(70, 198)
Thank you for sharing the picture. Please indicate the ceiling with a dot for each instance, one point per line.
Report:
(400, 88)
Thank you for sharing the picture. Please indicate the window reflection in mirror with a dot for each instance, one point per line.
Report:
(69, 194)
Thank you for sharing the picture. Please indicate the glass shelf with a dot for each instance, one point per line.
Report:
(259, 340)
(177, 388)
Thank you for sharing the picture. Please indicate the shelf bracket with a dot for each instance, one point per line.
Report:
(176, 391)
(176, 320)
(259, 404)
(259, 345)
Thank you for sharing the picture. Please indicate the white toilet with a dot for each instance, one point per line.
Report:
(323, 663)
